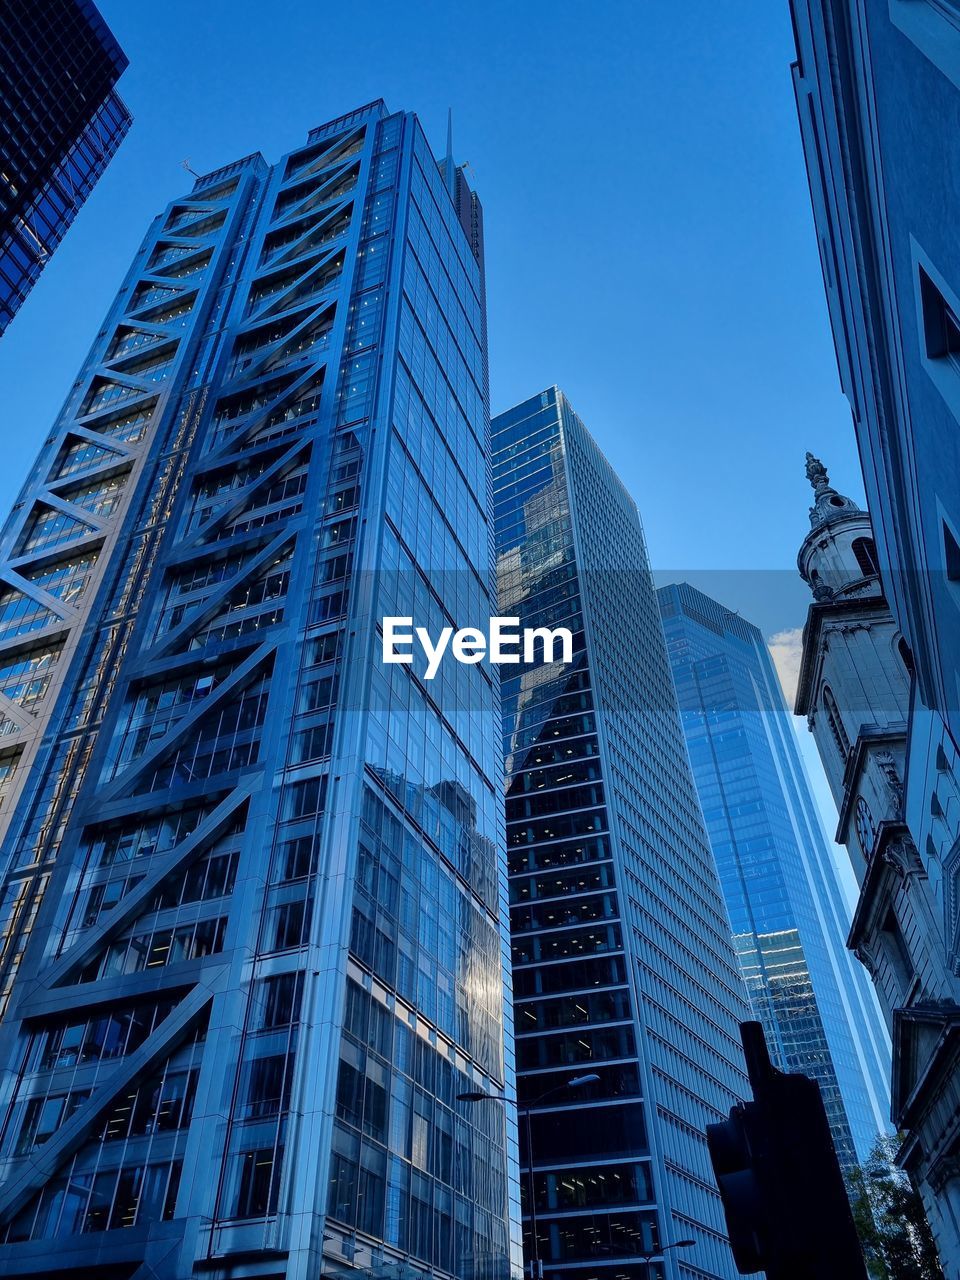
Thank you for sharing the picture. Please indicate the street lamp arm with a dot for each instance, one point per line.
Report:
(478, 1095)
(658, 1253)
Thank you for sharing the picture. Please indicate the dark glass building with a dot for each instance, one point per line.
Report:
(787, 907)
(253, 911)
(60, 123)
(623, 967)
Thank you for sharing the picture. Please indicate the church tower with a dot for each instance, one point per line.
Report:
(854, 681)
(855, 690)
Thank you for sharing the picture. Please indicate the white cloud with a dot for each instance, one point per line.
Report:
(786, 648)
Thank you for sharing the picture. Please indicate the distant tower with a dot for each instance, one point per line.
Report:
(787, 908)
(854, 689)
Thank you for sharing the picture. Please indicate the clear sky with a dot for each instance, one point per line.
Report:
(649, 239)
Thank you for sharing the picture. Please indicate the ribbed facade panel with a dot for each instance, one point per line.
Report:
(622, 961)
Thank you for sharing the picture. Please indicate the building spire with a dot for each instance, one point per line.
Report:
(828, 505)
(817, 474)
(448, 167)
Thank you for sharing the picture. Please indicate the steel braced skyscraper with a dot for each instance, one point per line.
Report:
(253, 904)
(783, 891)
(623, 967)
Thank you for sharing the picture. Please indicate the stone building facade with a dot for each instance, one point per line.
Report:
(857, 690)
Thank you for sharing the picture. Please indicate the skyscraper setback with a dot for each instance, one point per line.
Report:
(61, 120)
(789, 916)
(253, 915)
(623, 967)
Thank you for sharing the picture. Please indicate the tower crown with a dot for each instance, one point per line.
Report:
(828, 504)
(838, 556)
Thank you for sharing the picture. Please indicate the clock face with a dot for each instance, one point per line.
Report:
(866, 831)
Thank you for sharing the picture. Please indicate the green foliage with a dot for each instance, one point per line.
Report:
(893, 1228)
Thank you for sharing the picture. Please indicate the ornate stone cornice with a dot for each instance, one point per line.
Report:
(901, 853)
(916, 1083)
(942, 1171)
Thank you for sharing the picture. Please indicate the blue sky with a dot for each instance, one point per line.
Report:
(649, 238)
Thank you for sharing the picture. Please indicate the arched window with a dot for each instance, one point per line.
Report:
(866, 552)
(835, 722)
(906, 656)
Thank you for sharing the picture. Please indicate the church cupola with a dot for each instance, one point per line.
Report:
(838, 557)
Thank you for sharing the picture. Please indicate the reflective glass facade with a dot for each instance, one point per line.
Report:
(622, 961)
(60, 123)
(782, 887)
(253, 912)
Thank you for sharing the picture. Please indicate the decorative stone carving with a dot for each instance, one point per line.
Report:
(891, 775)
(943, 1171)
(901, 853)
(816, 472)
(866, 959)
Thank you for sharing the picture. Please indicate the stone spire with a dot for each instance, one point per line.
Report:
(837, 558)
(816, 473)
(828, 505)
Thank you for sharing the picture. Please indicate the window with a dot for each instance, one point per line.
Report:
(281, 1005)
(162, 1104)
(318, 693)
(305, 798)
(941, 325)
(835, 722)
(951, 553)
(268, 1088)
(157, 949)
(44, 1116)
(583, 1133)
(289, 926)
(313, 743)
(49, 528)
(906, 655)
(897, 953)
(580, 1188)
(866, 553)
(294, 858)
(257, 1189)
(324, 648)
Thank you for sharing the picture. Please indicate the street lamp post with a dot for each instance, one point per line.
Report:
(654, 1253)
(536, 1267)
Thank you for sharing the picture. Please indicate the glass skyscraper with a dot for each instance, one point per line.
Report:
(623, 967)
(782, 887)
(61, 121)
(253, 907)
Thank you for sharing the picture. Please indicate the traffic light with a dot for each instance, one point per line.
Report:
(779, 1179)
